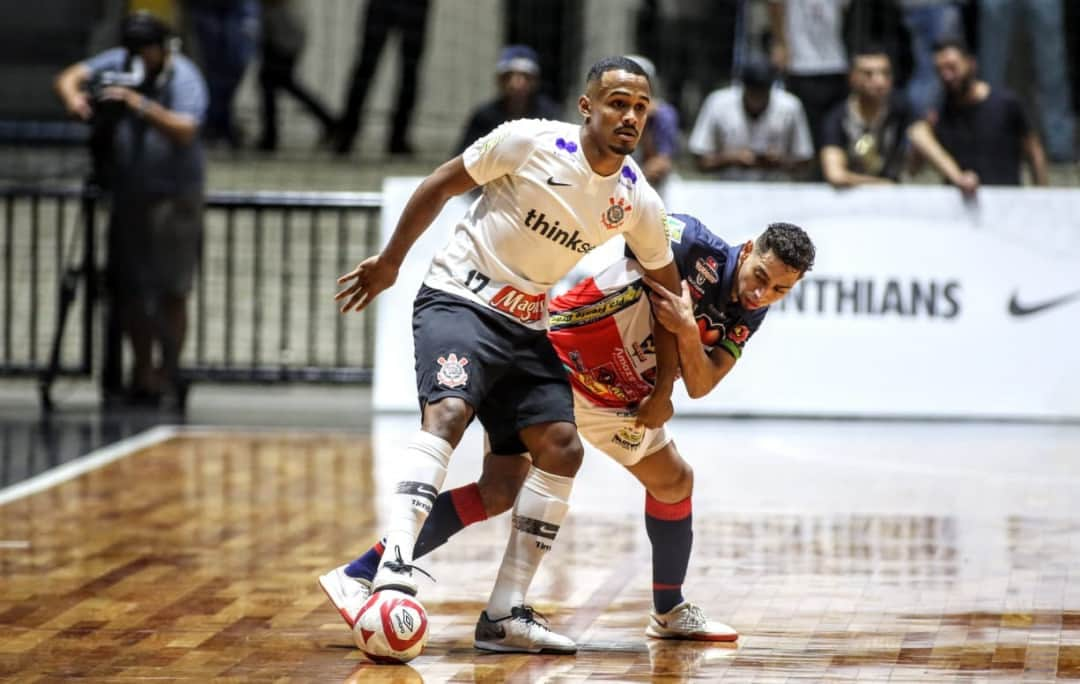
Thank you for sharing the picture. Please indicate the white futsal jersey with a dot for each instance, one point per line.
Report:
(542, 209)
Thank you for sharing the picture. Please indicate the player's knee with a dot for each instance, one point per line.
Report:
(498, 495)
(563, 452)
(447, 418)
(678, 485)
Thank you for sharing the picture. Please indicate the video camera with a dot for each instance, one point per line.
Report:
(138, 31)
(134, 77)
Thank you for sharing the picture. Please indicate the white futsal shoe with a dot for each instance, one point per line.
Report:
(687, 621)
(394, 573)
(348, 594)
(520, 632)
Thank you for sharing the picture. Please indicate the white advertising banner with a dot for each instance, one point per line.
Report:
(920, 304)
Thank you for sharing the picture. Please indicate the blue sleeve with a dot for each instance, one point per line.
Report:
(189, 95)
(111, 60)
(666, 131)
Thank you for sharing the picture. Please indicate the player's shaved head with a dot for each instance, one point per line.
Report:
(616, 107)
(595, 77)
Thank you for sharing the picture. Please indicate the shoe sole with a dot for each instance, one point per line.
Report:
(403, 588)
(330, 596)
(701, 636)
(499, 648)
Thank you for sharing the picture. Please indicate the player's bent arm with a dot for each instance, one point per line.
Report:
(667, 351)
(449, 180)
(702, 371)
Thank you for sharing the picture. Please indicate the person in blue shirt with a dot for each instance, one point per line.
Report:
(660, 140)
(146, 102)
(726, 293)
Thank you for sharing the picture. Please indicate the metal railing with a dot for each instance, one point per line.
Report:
(47, 235)
(261, 309)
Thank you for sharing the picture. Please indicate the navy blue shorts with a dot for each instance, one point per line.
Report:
(509, 374)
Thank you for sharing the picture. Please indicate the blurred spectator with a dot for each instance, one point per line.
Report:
(282, 42)
(659, 143)
(517, 73)
(752, 131)
(927, 22)
(155, 172)
(554, 29)
(694, 43)
(1043, 21)
(225, 34)
(408, 18)
(980, 133)
(808, 48)
(865, 137)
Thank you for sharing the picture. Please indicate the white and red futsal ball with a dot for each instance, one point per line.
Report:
(392, 627)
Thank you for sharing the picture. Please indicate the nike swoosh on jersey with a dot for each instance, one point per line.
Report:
(551, 181)
(1018, 309)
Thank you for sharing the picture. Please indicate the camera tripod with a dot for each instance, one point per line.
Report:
(79, 265)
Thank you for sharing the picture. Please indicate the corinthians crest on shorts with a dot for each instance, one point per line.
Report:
(452, 371)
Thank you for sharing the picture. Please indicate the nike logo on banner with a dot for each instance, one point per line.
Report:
(1018, 309)
(552, 181)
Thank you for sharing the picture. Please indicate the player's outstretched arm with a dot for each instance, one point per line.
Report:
(701, 371)
(376, 273)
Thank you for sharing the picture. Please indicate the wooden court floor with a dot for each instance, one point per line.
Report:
(841, 553)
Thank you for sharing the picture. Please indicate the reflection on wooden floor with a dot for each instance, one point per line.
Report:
(196, 560)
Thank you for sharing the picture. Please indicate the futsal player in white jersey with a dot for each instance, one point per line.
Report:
(603, 330)
(552, 191)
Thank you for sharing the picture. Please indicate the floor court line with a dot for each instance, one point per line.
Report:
(84, 464)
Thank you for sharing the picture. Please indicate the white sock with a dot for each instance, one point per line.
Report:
(538, 512)
(422, 473)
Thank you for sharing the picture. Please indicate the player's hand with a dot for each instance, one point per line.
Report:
(370, 277)
(673, 311)
(655, 410)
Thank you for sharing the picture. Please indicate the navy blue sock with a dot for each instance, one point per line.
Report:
(452, 512)
(671, 532)
(365, 566)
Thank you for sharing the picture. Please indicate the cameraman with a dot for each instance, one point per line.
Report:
(146, 103)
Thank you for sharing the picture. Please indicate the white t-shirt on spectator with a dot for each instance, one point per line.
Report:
(815, 36)
(542, 209)
(724, 125)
